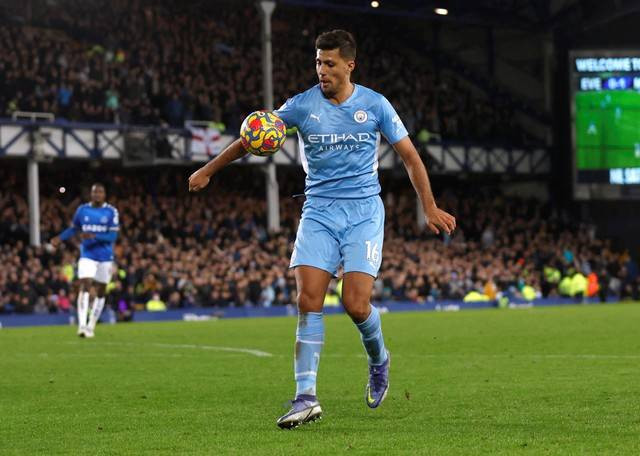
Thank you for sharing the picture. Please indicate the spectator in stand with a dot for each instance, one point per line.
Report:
(150, 62)
(240, 263)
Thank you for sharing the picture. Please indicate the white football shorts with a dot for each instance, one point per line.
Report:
(100, 271)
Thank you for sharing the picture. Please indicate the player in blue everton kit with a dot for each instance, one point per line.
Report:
(97, 224)
(339, 129)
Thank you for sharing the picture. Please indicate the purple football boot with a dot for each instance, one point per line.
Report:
(304, 409)
(378, 385)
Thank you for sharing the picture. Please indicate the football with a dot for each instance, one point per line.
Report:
(263, 133)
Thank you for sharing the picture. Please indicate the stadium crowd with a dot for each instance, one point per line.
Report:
(180, 250)
(164, 62)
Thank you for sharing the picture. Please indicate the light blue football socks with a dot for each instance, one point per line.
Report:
(309, 341)
(371, 334)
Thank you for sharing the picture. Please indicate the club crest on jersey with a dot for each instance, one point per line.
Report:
(360, 116)
(103, 220)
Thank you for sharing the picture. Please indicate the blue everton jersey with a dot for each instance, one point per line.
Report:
(100, 221)
(338, 143)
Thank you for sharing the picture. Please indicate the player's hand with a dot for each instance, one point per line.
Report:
(198, 180)
(86, 235)
(52, 245)
(437, 220)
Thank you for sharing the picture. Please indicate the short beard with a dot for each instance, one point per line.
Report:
(328, 93)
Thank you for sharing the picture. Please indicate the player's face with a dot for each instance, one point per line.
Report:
(98, 195)
(334, 72)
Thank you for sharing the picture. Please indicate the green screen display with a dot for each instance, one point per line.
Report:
(607, 127)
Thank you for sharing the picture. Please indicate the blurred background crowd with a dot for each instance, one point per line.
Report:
(177, 249)
(165, 62)
(162, 63)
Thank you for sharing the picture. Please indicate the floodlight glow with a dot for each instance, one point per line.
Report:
(441, 11)
(375, 4)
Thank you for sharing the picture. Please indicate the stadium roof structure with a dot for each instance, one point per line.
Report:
(138, 146)
(534, 15)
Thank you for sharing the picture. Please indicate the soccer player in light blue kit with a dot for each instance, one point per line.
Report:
(339, 128)
(97, 223)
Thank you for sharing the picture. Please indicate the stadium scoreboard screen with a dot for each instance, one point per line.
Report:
(605, 115)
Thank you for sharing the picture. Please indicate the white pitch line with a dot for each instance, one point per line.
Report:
(102, 355)
(260, 353)
(247, 351)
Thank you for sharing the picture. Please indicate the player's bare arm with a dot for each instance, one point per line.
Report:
(200, 179)
(436, 218)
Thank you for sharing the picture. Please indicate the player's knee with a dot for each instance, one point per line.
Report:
(356, 306)
(308, 302)
(101, 290)
(360, 314)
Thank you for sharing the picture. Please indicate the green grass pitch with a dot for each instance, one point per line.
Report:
(607, 129)
(532, 381)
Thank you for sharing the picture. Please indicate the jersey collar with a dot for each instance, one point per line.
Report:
(346, 102)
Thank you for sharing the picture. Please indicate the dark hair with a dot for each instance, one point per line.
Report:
(338, 39)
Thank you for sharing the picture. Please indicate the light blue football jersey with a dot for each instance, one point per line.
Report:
(339, 143)
(99, 220)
